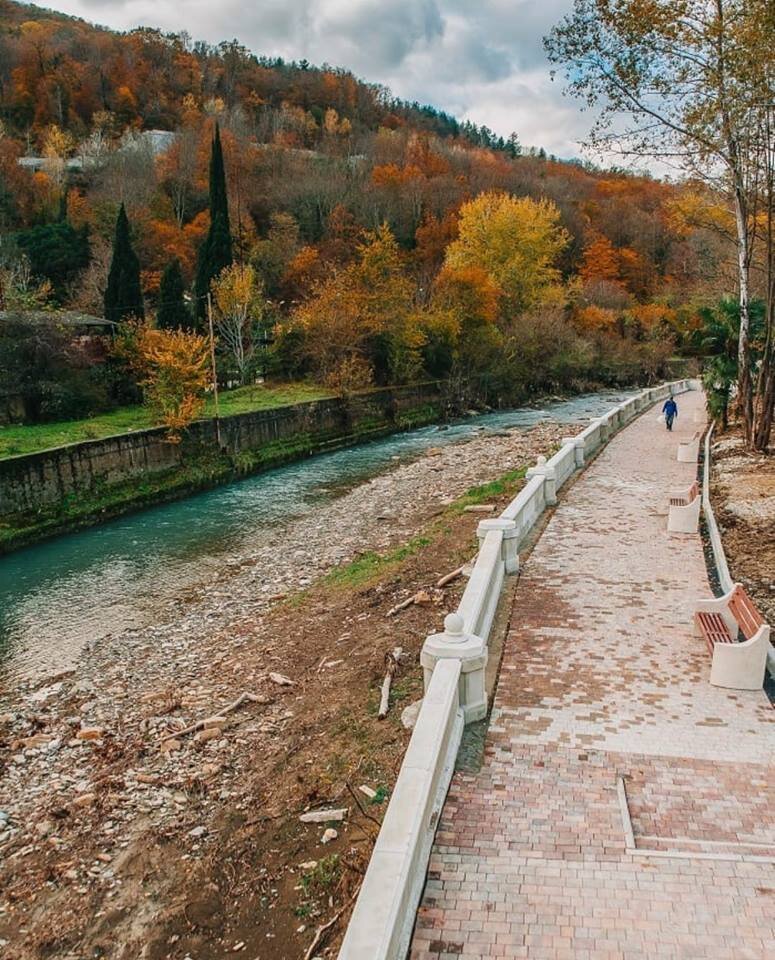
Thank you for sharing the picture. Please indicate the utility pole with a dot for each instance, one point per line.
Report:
(215, 372)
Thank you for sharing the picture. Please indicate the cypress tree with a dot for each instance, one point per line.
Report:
(215, 252)
(123, 294)
(172, 312)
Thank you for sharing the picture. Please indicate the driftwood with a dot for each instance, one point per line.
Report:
(221, 715)
(392, 662)
(449, 577)
(401, 606)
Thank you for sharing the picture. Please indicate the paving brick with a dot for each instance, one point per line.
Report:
(601, 678)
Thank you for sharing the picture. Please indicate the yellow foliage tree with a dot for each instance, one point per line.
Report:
(364, 311)
(517, 241)
(174, 369)
(239, 307)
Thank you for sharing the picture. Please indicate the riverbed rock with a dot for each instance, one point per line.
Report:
(323, 816)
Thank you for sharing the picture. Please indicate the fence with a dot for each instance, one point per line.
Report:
(454, 664)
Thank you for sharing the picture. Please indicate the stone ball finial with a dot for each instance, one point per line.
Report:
(453, 624)
(541, 461)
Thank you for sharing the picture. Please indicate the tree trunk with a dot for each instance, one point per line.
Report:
(744, 382)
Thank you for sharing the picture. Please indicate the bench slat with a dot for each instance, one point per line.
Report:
(744, 610)
(713, 629)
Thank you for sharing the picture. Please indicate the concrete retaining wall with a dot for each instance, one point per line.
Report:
(34, 482)
(382, 922)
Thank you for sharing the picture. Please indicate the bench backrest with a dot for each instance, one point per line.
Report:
(743, 609)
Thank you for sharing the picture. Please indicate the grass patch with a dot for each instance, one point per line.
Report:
(19, 439)
(509, 483)
(370, 565)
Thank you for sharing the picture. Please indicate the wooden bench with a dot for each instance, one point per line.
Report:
(689, 450)
(738, 664)
(684, 510)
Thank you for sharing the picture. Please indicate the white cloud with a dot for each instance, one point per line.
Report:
(481, 60)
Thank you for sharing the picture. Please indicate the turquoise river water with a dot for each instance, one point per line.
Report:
(74, 589)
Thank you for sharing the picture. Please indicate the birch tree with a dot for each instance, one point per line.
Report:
(239, 308)
(688, 82)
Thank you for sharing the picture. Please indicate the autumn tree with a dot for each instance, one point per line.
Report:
(174, 371)
(690, 82)
(123, 294)
(362, 316)
(515, 240)
(462, 334)
(239, 309)
(172, 312)
(215, 253)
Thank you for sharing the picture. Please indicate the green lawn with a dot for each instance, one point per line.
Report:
(16, 439)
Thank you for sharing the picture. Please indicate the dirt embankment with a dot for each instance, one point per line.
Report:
(124, 836)
(743, 492)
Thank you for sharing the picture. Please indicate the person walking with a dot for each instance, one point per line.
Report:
(670, 410)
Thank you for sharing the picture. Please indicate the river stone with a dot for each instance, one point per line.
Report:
(409, 714)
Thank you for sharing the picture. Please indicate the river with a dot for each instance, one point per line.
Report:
(60, 595)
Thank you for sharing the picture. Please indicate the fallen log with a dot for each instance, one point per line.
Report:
(449, 577)
(392, 663)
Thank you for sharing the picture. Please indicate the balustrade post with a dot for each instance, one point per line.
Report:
(510, 542)
(471, 651)
(550, 480)
(578, 448)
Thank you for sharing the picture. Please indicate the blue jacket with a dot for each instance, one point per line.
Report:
(670, 408)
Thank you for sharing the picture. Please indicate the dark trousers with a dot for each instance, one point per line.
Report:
(669, 420)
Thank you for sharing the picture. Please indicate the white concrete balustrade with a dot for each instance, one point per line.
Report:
(454, 663)
(382, 921)
(726, 583)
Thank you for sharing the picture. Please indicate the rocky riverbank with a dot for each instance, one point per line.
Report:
(124, 833)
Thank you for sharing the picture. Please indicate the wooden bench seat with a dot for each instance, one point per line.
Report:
(738, 664)
(684, 510)
(683, 499)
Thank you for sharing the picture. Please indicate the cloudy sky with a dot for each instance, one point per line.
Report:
(479, 59)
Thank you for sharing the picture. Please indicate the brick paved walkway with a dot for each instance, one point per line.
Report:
(602, 679)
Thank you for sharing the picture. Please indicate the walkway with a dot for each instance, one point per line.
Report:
(602, 679)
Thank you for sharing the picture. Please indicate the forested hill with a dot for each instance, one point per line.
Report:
(63, 70)
(378, 241)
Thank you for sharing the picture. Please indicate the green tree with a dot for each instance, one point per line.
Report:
(123, 294)
(215, 253)
(172, 313)
(56, 252)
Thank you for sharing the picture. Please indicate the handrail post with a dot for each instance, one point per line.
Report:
(550, 480)
(578, 448)
(510, 546)
(471, 651)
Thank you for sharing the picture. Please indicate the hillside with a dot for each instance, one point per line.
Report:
(315, 162)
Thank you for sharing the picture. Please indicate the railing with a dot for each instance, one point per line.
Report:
(454, 663)
(726, 583)
(382, 921)
(480, 598)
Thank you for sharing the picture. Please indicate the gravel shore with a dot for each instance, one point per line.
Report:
(91, 767)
